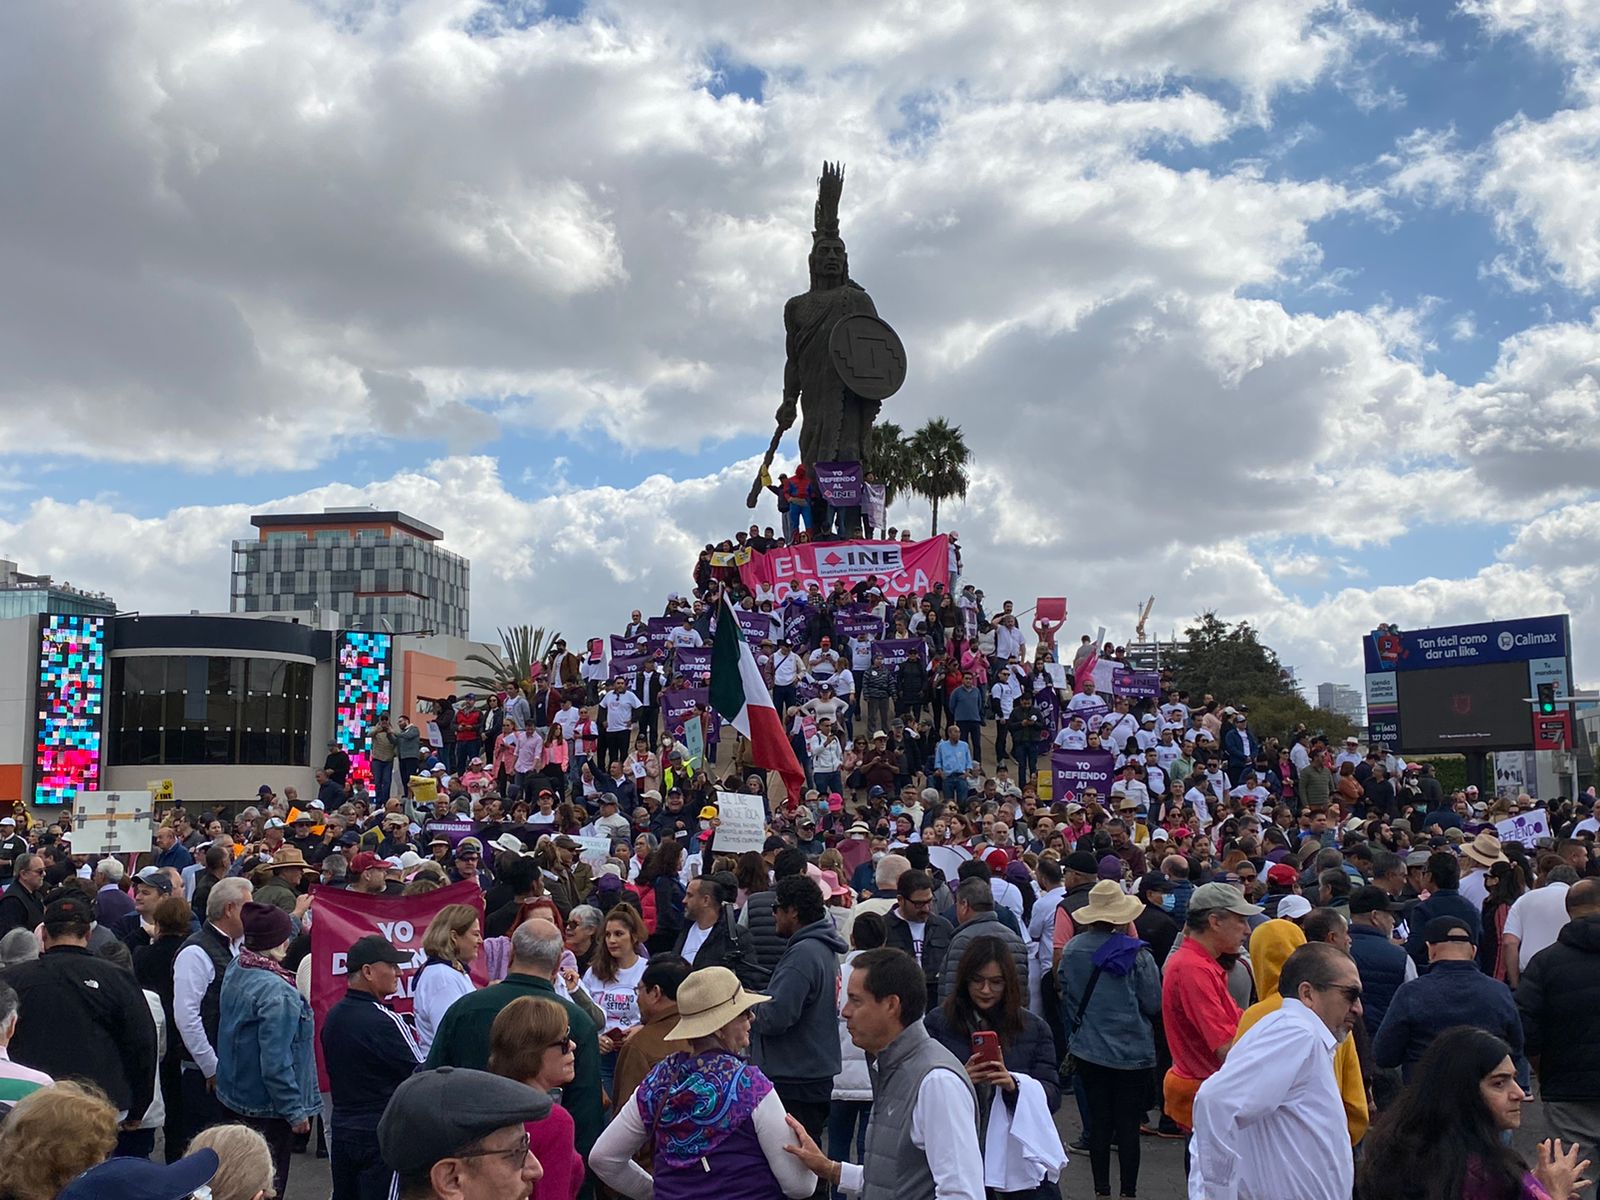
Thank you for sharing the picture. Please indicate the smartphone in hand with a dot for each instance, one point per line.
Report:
(986, 1047)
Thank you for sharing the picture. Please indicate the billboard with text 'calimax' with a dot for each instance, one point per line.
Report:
(1464, 687)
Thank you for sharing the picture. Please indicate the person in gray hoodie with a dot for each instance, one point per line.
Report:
(795, 1036)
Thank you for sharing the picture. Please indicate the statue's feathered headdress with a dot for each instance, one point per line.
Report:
(829, 188)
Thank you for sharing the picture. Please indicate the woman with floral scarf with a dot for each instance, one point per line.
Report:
(710, 1117)
(266, 1064)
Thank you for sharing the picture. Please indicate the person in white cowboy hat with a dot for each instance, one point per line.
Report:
(1110, 992)
(707, 1113)
(1477, 856)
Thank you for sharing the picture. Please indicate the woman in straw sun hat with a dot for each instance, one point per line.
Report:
(708, 1113)
(1110, 990)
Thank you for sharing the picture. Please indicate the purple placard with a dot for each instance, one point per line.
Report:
(1073, 770)
(628, 664)
(454, 830)
(623, 645)
(679, 705)
(1092, 714)
(897, 650)
(794, 626)
(693, 660)
(839, 482)
(857, 625)
(754, 625)
(1136, 683)
(1048, 706)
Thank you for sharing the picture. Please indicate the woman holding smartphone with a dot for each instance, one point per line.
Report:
(986, 1024)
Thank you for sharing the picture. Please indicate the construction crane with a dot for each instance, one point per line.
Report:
(1144, 615)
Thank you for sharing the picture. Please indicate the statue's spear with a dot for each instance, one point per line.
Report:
(766, 465)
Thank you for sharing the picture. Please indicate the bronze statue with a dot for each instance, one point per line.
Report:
(842, 360)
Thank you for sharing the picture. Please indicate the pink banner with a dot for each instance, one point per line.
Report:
(339, 918)
(901, 567)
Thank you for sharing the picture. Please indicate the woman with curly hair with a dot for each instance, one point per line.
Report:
(52, 1136)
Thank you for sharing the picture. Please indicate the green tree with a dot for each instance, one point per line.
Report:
(1230, 663)
(510, 667)
(890, 462)
(939, 458)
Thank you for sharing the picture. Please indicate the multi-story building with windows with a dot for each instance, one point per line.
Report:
(1344, 700)
(28, 595)
(379, 571)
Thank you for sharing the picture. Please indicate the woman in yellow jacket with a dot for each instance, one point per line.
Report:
(1270, 947)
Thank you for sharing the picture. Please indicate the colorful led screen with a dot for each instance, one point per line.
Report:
(363, 683)
(72, 696)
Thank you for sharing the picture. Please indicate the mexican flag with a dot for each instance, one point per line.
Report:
(740, 695)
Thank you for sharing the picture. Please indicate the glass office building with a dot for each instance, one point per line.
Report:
(379, 571)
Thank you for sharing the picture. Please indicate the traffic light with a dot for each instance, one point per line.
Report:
(1547, 699)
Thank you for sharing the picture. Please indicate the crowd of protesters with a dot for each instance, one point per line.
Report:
(1324, 972)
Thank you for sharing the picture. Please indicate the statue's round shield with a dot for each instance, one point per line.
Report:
(868, 356)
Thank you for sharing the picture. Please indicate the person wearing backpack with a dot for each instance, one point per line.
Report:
(1110, 994)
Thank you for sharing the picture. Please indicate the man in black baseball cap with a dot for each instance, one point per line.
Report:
(1453, 992)
(458, 1133)
(370, 1051)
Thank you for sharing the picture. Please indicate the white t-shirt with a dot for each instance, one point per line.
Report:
(1072, 739)
(694, 940)
(823, 663)
(785, 667)
(1167, 755)
(619, 999)
(918, 930)
(619, 708)
(1086, 700)
(1536, 917)
(568, 719)
(680, 637)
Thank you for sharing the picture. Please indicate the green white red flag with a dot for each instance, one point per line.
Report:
(740, 695)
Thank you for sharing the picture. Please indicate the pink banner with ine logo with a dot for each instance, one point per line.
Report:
(901, 567)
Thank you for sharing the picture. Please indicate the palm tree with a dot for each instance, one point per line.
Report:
(509, 668)
(939, 458)
(890, 462)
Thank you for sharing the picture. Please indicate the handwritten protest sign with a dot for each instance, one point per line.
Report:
(741, 822)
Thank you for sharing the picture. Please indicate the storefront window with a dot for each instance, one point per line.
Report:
(190, 710)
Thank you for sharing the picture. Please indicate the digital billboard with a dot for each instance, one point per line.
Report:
(362, 681)
(71, 708)
(1464, 708)
(1464, 687)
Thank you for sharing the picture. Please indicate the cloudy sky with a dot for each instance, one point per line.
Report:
(1285, 309)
